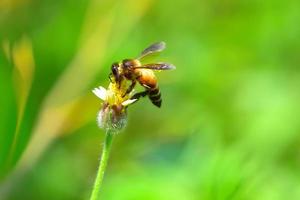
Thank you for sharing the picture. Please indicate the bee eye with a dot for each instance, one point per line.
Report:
(114, 69)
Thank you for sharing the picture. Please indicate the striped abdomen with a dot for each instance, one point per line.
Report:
(154, 96)
(148, 80)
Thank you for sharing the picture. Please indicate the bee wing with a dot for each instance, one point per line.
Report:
(158, 66)
(154, 48)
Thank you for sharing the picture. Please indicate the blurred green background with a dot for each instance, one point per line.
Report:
(230, 120)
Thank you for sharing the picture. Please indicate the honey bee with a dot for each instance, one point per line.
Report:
(134, 71)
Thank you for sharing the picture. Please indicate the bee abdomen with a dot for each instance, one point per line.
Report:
(155, 97)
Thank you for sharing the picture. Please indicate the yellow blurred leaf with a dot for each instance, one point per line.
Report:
(23, 61)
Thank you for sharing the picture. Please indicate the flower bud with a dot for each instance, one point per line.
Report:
(112, 118)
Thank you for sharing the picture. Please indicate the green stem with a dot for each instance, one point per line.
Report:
(102, 165)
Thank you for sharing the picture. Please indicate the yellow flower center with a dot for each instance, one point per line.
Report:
(116, 92)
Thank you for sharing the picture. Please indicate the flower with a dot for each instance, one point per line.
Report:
(112, 117)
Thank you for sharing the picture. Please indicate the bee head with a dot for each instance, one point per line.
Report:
(115, 71)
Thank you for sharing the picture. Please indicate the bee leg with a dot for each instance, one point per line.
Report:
(140, 94)
(130, 88)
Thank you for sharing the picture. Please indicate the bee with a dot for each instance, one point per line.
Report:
(133, 70)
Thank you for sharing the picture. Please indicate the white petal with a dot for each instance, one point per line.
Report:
(127, 102)
(100, 92)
